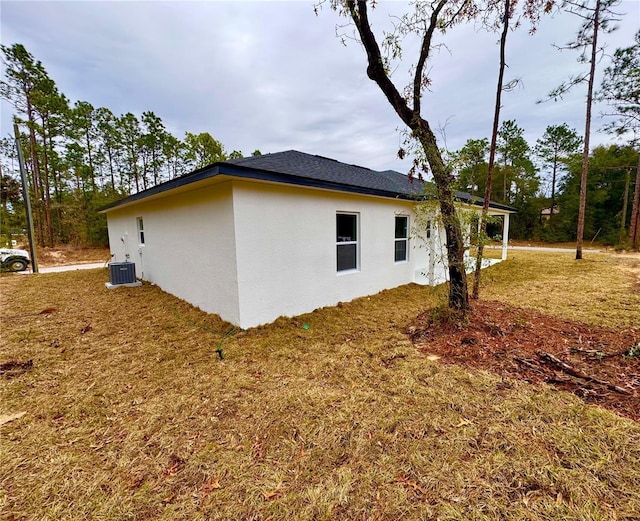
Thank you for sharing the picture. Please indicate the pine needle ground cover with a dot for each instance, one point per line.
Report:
(131, 404)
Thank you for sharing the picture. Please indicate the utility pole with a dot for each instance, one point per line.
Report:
(27, 201)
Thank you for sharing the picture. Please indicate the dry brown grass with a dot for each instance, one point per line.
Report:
(588, 245)
(131, 414)
(600, 289)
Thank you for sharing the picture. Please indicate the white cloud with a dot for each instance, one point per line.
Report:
(272, 75)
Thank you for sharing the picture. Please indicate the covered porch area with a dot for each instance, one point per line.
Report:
(504, 216)
(435, 268)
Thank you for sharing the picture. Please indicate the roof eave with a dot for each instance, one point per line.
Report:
(245, 172)
(192, 177)
(479, 201)
(242, 172)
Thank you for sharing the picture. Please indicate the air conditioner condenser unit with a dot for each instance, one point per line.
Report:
(122, 273)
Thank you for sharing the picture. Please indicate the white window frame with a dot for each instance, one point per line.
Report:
(404, 239)
(140, 229)
(346, 243)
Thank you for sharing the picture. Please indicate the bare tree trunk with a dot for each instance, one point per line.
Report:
(87, 138)
(135, 176)
(587, 132)
(113, 180)
(35, 174)
(553, 185)
(492, 153)
(411, 117)
(504, 184)
(155, 166)
(625, 202)
(47, 189)
(57, 224)
(145, 172)
(458, 289)
(634, 225)
(57, 195)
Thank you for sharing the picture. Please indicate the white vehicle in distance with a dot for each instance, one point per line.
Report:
(14, 260)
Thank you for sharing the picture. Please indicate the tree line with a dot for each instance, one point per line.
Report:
(79, 158)
(543, 183)
(418, 30)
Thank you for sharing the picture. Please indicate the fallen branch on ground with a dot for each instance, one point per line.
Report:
(594, 353)
(548, 357)
(527, 362)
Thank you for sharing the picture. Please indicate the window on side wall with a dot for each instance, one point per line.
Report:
(401, 251)
(347, 241)
(140, 230)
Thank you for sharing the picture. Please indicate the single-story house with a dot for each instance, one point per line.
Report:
(546, 213)
(256, 238)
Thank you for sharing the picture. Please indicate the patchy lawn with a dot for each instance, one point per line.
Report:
(138, 406)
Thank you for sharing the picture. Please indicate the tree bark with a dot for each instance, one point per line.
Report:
(634, 225)
(458, 289)
(421, 131)
(47, 188)
(113, 179)
(35, 174)
(553, 184)
(625, 202)
(144, 171)
(587, 132)
(92, 176)
(492, 153)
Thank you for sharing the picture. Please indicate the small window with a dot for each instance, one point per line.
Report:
(347, 241)
(140, 231)
(429, 229)
(402, 238)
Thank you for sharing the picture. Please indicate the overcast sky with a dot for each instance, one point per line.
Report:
(273, 75)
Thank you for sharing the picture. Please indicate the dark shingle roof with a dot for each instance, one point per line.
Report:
(324, 169)
(293, 167)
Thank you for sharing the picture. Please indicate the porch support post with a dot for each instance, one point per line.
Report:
(505, 235)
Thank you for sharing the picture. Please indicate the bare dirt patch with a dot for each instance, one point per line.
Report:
(15, 368)
(66, 255)
(600, 365)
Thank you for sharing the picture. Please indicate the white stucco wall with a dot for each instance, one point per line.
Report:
(189, 248)
(252, 251)
(286, 249)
